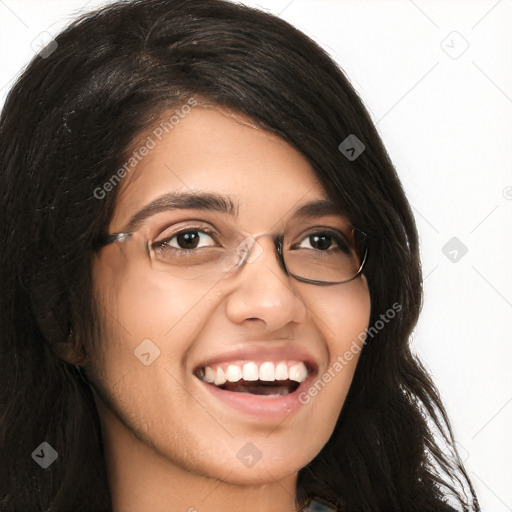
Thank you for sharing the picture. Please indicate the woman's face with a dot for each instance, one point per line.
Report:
(163, 329)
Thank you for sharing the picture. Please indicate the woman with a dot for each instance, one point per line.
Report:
(210, 276)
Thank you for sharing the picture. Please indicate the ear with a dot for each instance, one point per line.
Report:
(70, 350)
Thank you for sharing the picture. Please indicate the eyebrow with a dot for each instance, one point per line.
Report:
(183, 201)
(318, 208)
(217, 203)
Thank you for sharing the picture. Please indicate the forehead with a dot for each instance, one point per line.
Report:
(215, 151)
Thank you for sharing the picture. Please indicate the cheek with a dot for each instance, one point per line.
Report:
(145, 314)
(343, 312)
(143, 302)
(149, 328)
(342, 315)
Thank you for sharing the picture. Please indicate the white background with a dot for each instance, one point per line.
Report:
(445, 117)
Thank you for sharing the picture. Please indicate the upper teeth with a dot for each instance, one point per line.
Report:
(267, 371)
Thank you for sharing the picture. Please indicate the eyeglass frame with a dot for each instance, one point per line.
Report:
(278, 249)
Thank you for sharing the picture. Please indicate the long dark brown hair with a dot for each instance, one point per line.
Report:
(66, 128)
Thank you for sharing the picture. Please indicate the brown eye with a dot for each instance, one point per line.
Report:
(320, 242)
(188, 240)
(324, 241)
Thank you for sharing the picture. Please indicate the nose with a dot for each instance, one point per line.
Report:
(262, 291)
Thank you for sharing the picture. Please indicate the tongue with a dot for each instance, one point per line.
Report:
(258, 387)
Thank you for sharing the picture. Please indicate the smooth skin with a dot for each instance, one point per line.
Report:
(170, 445)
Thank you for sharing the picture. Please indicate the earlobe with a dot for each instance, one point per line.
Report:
(70, 350)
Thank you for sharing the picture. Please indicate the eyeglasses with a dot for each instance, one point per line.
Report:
(198, 250)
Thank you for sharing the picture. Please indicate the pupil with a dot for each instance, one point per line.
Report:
(321, 242)
(188, 240)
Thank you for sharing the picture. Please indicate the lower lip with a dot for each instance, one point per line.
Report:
(261, 407)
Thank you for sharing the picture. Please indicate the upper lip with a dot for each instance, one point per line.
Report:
(259, 353)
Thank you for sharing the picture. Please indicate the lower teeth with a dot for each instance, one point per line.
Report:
(262, 388)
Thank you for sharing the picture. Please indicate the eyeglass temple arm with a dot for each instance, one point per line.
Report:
(110, 239)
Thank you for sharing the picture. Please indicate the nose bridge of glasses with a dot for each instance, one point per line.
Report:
(250, 249)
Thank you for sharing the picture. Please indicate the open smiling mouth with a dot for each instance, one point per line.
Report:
(267, 378)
